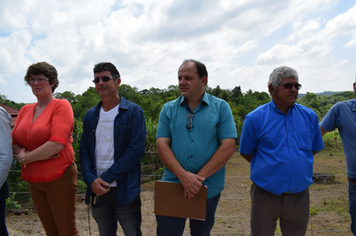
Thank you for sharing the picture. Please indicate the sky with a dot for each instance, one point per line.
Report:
(240, 42)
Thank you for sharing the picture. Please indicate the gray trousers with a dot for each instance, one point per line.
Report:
(291, 209)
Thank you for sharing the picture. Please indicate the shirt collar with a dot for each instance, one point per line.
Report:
(277, 109)
(205, 99)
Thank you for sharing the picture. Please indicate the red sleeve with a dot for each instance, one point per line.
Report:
(62, 122)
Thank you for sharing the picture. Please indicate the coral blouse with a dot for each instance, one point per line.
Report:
(55, 123)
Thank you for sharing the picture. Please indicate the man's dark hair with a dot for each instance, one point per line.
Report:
(107, 66)
(46, 69)
(201, 68)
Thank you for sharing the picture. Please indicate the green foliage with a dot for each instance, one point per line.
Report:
(82, 187)
(313, 211)
(151, 130)
(11, 202)
(10, 103)
(322, 104)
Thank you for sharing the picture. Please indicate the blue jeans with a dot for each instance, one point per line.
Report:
(174, 226)
(106, 212)
(352, 206)
(4, 193)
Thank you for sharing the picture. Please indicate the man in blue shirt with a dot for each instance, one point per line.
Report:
(5, 164)
(111, 148)
(196, 136)
(343, 116)
(279, 139)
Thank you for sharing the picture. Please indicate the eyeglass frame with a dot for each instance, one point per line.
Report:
(297, 86)
(189, 124)
(39, 80)
(101, 78)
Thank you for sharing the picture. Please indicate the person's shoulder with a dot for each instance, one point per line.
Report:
(304, 109)
(4, 113)
(28, 106)
(173, 103)
(260, 110)
(126, 104)
(61, 102)
(347, 103)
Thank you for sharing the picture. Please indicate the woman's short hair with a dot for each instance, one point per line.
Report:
(46, 69)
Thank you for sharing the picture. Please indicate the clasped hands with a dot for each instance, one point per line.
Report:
(100, 187)
(192, 184)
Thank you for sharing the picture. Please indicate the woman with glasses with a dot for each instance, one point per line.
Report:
(42, 143)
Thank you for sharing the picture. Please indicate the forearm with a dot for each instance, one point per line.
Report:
(190, 181)
(219, 159)
(43, 152)
(169, 160)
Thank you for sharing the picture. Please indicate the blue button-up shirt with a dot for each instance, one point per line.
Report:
(282, 147)
(129, 147)
(343, 116)
(212, 122)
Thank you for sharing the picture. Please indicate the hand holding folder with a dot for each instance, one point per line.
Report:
(170, 201)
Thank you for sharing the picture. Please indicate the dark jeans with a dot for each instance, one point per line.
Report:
(352, 203)
(4, 193)
(106, 212)
(174, 226)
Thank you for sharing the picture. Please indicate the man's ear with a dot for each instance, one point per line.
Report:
(204, 80)
(118, 81)
(270, 89)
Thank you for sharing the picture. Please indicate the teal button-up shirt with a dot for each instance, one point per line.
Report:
(212, 122)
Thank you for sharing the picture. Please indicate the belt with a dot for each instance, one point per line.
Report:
(286, 193)
(352, 180)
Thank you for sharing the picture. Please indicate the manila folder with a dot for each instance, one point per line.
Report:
(170, 201)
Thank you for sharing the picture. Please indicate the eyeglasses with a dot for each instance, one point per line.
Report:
(290, 86)
(104, 79)
(39, 80)
(189, 124)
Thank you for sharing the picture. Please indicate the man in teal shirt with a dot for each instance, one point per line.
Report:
(196, 136)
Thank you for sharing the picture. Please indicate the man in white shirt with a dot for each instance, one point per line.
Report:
(111, 148)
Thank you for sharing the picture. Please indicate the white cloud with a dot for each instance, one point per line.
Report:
(239, 41)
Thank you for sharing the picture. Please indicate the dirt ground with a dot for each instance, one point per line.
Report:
(329, 205)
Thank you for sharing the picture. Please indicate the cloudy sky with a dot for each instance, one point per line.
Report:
(240, 41)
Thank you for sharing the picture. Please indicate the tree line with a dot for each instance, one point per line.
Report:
(151, 101)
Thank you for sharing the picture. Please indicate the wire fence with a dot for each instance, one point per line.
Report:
(328, 207)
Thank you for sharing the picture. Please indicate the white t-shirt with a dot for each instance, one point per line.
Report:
(104, 146)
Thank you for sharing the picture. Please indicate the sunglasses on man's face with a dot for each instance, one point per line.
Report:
(290, 86)
(104, 79)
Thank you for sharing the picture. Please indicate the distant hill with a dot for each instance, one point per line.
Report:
(325, 93)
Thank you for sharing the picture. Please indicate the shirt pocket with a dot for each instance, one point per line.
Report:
(304, 140)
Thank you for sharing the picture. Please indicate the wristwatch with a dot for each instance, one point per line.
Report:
(23, 159)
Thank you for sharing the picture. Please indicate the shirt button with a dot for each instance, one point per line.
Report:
(191, 140)
(191, 155)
